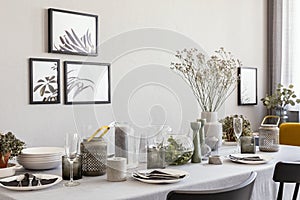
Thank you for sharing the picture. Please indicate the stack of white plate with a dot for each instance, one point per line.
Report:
(40, 158)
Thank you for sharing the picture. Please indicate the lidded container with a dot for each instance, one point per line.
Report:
(94, 155)
(269, 134)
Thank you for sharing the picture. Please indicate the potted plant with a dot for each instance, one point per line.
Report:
(280, 99)
(228, 131)
(10, 146)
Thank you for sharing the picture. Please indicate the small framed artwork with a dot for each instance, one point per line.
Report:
(247, 86)
(44, 81)
(86, 82)
(72, 32)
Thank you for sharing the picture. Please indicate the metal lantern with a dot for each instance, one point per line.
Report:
(269, 134)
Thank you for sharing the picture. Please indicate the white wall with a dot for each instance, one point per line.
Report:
(239, 26)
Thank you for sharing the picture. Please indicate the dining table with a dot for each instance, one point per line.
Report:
(201, 176)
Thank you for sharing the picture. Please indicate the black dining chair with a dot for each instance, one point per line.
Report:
(287, 172)
(241, 191)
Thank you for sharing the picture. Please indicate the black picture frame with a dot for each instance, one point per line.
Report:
(72, 32)
(44, 81)
(86, 83)
(247, 86)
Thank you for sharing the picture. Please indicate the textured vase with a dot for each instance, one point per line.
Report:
(212, 129)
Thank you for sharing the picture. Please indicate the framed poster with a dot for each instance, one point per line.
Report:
(44, 81)
(86, 82)
(72, 32)
(247, 86)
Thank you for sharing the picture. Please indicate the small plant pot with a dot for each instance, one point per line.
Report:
(4, 160)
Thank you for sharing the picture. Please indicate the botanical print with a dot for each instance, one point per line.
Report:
(72, 32)
(76, 85)
(86, 82)
(44, 81)
(248, 86)
(70, 42)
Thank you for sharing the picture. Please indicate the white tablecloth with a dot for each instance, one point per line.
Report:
(202, 176)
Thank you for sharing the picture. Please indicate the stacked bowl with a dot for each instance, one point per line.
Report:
(40, 158)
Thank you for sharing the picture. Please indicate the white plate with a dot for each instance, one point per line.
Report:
(264, 157)
(170, 171)
(44, 176)
(42, 151)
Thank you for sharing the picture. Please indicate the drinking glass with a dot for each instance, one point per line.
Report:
(71, 149)
(238, 127)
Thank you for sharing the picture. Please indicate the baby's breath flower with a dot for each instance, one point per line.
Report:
(212, 80)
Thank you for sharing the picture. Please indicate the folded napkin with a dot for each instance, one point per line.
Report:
(246, 158)
(157, 175)
(28, 180)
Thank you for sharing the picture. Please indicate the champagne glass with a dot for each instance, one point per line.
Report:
(238, 127)
(71, 149)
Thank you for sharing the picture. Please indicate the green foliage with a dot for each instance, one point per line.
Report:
(281, 98)
(9, 143)
(177, 153)
(227, 124)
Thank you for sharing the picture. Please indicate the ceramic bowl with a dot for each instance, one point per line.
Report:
(9, 170)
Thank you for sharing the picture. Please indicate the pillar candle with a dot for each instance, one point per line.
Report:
(116, 169)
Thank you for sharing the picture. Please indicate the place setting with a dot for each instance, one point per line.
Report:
(160, 176)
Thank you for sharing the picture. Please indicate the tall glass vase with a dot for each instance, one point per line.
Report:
(282, 113)
(212, 129)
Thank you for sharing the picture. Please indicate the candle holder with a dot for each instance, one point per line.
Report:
(248, 144)
(156, 157)
(94, 154)
(77, 168)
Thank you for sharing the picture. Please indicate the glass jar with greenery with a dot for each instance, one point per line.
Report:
(280, 99)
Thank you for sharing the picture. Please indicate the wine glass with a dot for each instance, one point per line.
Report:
(71, 149)
(238, 127)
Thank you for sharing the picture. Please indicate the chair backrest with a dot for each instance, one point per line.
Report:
(241, 191)
(289, 133)
(287, 172)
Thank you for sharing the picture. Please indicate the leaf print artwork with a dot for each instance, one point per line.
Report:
(44, 81)
(70, 42)
(47, 87)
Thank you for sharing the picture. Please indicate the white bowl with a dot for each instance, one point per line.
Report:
(42, 151)
(40, 165)
(39, 159)
(9, 170)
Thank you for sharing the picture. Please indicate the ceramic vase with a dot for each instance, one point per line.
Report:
(212, 129)
(196, 157)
